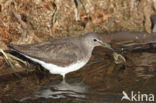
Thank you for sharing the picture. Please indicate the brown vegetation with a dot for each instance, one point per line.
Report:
(32, 20)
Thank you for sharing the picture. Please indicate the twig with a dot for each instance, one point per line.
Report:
(19, 19)
(12, 73)
(10, 55)
(137, 46)
(7, 59)
(4, 54)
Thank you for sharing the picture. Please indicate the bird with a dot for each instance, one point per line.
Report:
(62, 55)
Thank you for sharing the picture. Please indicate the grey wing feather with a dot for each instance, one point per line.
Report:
(59, 52)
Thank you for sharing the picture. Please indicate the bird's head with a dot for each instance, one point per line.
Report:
(94, 39)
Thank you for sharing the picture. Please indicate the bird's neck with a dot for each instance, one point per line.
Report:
(87, 49)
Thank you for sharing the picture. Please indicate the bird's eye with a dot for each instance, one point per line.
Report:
(94, 40)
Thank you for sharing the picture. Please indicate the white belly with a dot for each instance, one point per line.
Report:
(54, 69)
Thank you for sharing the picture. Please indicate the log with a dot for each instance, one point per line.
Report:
(129, 41)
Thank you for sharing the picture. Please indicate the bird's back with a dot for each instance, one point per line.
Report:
(62, 51)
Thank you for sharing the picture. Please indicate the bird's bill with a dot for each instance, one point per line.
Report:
(106, 45)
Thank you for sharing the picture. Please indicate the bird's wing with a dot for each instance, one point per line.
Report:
(60, 52)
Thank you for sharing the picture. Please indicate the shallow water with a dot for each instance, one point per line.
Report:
(100, 81)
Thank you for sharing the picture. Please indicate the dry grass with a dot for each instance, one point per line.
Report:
(43, 19)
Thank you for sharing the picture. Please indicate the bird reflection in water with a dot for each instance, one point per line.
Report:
(62, 90)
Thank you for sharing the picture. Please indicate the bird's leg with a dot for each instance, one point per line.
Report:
(64, 79)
